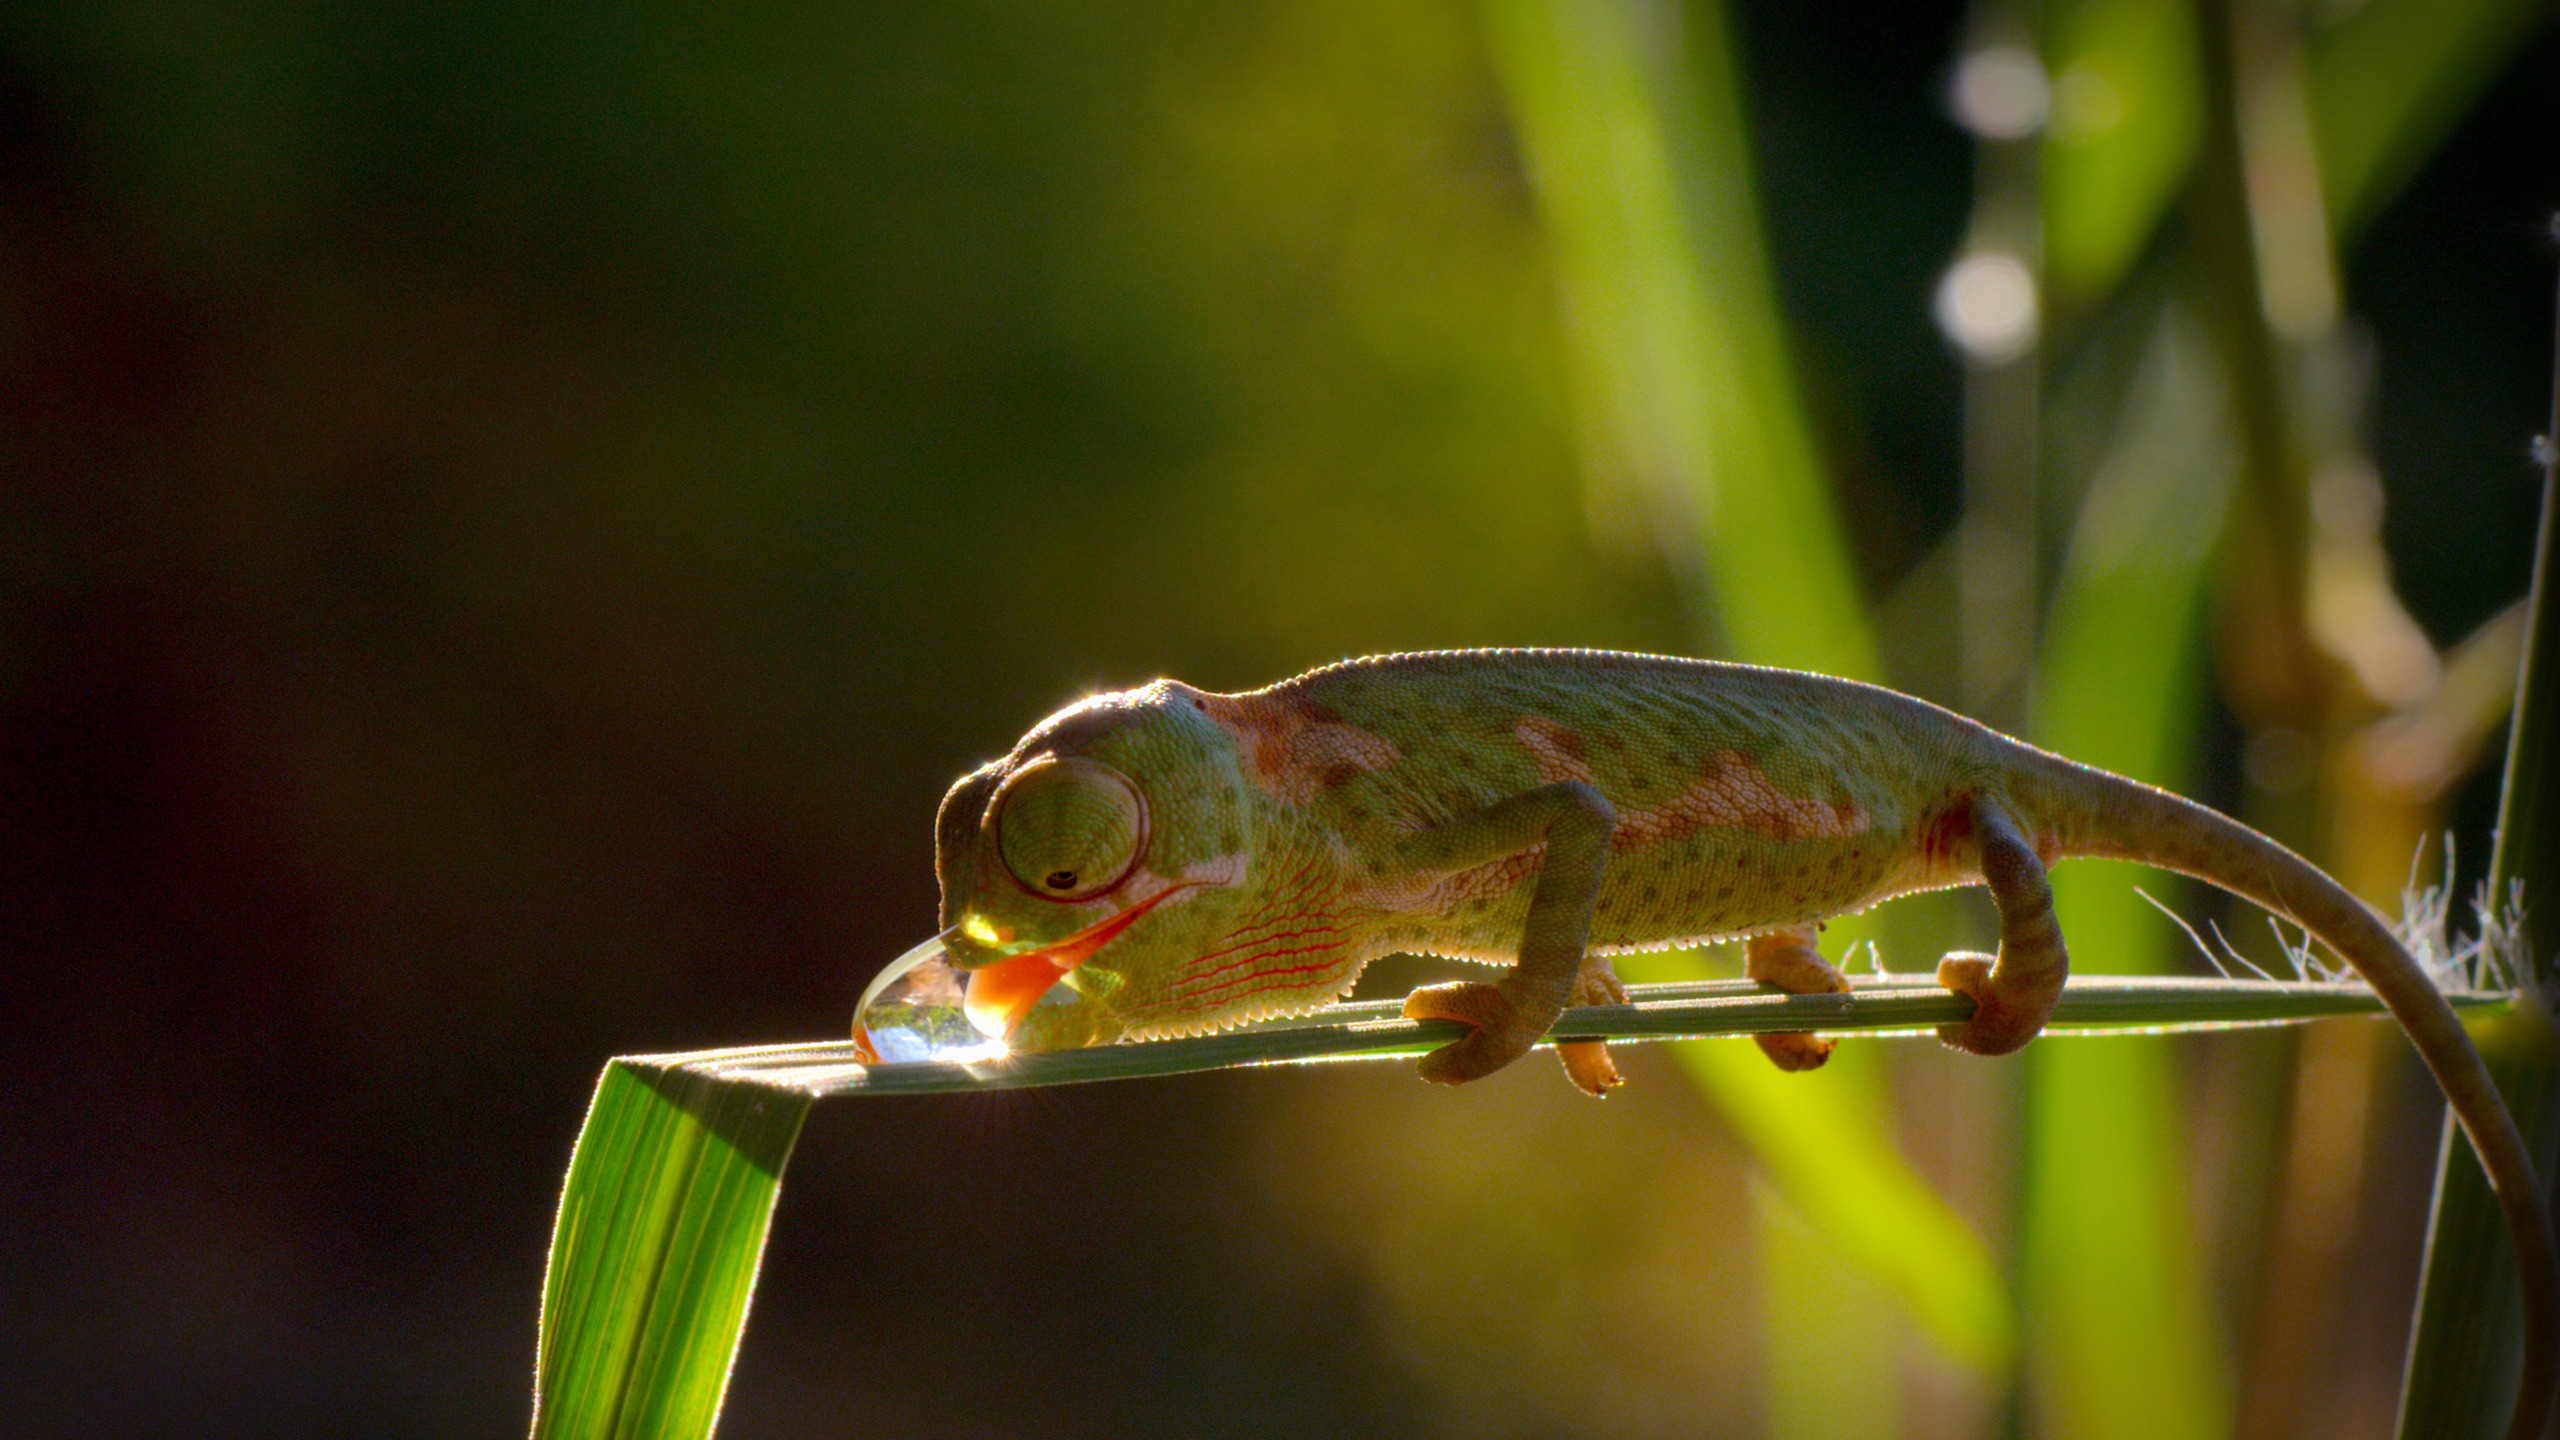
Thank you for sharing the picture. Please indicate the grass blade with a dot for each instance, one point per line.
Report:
(2391, 78)
(663, 1219)
(662, 1225)
(1643, 174)
(2128, 113)
(1703, 1010)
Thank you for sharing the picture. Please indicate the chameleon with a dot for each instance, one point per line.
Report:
(1186, 861)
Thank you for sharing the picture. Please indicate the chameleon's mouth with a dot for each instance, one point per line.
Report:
(1001, 994)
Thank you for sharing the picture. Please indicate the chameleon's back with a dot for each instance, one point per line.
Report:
(1744, 796)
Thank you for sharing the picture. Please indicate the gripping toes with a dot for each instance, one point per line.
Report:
(1787, 959)
(1998, 1026)
(1502, 1033)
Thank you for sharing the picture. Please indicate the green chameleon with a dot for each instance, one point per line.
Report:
(1187, 861)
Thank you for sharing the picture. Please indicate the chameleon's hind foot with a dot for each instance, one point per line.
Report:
(1786, 959)
(2015, 992)
(1586, 1062)
(1502, 1033)
(2002, 1022)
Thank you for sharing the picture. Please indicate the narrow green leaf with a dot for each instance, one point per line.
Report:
(1639, 154)
(1703, 1010)
(662, 1225)
(663, 1219)
(1840, 1166)
(1834, 1307)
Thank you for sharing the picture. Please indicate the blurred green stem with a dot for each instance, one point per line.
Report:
(2122, 1339)
(2462, 1352)
(1632, 128)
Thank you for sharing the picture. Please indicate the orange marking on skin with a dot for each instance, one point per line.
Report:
(1294, 749)
(1557, 752)
(1731, 792)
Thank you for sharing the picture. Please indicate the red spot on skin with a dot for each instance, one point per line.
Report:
(1296, 749)
(1946, 830)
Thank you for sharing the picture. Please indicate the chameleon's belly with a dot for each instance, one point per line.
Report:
(1715, 886)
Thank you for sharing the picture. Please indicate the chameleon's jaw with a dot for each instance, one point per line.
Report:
(1001, 994)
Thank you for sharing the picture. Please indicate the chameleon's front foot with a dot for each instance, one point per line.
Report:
(1504, 1031)
(1786, 959)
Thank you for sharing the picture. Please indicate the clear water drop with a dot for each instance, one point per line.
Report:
(915, 1012)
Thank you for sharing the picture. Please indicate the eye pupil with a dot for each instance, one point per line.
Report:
(1060, 880)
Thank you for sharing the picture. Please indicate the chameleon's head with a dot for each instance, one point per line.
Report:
(1103, 851)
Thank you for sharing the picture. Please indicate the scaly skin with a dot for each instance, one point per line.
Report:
(1191, 861)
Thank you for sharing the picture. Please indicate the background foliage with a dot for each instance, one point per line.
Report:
(510, 518)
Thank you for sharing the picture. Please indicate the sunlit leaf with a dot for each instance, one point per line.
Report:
(2464, 1349)
(663, 1217)
(662, 1225)
(1637, 145)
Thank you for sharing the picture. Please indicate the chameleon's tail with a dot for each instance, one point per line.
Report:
(2091, 812)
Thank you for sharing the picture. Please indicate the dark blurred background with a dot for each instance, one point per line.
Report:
(511, 516)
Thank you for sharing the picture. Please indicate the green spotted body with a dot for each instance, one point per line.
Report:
(1746, 799)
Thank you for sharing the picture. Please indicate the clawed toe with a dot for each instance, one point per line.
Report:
(1795, 1051)
(1588, 1066)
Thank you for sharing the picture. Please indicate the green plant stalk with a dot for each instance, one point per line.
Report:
(1375, 1030)
(2463, 1348)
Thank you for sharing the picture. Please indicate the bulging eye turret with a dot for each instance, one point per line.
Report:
(1069, 829)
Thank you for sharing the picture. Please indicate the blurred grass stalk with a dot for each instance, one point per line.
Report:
(2124, 1341)
(2463, 1349)
(1632, 120)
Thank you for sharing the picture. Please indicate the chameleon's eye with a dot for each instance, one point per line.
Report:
(1069, 829)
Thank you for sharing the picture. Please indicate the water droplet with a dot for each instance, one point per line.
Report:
(915, 1011)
